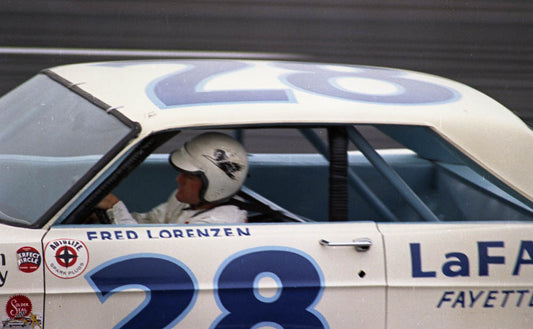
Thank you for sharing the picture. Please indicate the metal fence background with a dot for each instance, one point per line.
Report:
(487, 44)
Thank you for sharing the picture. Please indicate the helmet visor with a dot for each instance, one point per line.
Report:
(182, 160)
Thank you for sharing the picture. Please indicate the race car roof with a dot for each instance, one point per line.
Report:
(165, 94)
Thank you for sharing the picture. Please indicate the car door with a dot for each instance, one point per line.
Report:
(459, 275)
(21, 277)
(204, 276)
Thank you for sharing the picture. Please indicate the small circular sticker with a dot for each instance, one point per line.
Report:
(18, 306)
(66, 258)
(28, 259)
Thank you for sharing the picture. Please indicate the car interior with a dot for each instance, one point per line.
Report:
(290, 177)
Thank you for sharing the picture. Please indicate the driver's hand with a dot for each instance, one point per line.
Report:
(108, 202)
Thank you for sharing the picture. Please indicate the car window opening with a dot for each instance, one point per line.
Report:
(421, 184)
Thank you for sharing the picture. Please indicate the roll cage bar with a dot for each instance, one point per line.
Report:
(381, 166)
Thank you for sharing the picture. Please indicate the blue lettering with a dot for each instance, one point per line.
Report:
(460, 300)
(474, 298)
(105, 235)
(202, 233)
(91, 235)
(490, 297)
(228, 231)
(168, 233)
(416, 263)
(525, 247)
(485, 259)
(445, 298)
(462, 264)
(521, 293)
(165, 234)
(150, 234)
(119, 235)
(506, 294)
(3, 278)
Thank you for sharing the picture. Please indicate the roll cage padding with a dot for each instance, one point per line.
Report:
(338, 174)
(353, 179)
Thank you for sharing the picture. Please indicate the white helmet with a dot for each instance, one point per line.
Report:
(219, 160)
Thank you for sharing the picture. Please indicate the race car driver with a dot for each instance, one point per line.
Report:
(213, 167)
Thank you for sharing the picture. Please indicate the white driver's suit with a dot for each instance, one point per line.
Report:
(176, 212)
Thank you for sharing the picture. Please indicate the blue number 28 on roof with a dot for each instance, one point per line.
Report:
(187, 87)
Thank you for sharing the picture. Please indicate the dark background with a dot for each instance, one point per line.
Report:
(487, 44)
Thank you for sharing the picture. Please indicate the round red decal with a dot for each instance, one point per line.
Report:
(18, 306)
(28, 259)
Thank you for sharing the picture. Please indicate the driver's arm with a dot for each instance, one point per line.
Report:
(118, 213)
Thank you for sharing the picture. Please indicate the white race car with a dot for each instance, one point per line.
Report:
(435, 231)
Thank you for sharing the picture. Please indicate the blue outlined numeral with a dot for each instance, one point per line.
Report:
(300, 286)
(170, 288)
(409, 91)
(186, 87)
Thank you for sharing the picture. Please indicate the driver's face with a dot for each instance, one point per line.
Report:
(188, 188)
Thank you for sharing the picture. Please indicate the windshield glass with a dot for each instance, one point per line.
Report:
(49, 138)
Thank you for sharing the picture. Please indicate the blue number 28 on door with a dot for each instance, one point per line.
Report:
(171, 289)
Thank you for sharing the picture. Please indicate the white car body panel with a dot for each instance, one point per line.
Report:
(459, 275)
(348, 291)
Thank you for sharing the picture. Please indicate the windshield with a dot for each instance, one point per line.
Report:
(49, 139)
